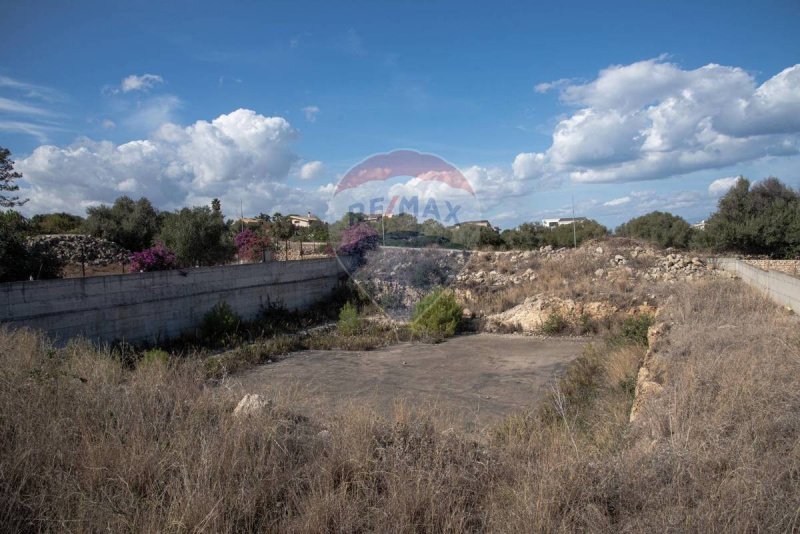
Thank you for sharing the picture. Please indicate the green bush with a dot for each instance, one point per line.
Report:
(658, 227)
(554, 324)
(221, 321)
(437, 315)
(349, 321)
(633, 330)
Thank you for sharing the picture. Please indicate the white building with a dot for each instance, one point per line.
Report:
(302, 222)
(553, 223)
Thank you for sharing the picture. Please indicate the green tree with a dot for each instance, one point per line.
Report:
(526, 236)
(562, 236)
(18, 261)
(760, 219)
(130, 224)
(198, 235)
(7, 177)
(658, 227)
(56, 223)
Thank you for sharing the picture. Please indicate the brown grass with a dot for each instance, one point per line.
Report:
(88, 445)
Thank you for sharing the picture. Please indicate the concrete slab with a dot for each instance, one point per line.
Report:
(473, 380)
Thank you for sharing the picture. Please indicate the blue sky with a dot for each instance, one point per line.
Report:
(618, 104)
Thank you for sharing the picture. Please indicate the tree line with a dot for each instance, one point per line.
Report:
(760, 219)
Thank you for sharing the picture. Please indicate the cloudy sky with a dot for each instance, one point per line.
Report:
(626, 107)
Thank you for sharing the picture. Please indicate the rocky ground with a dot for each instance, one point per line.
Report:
(521, 290)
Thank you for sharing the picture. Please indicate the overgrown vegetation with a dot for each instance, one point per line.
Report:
(89, 444)
(658, 227)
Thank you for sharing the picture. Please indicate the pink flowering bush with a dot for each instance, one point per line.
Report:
(157, 258)
(358, 239)
(251, 246)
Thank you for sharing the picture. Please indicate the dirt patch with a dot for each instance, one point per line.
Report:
(472, 380)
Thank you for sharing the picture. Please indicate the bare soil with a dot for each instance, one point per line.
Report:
(473, 381)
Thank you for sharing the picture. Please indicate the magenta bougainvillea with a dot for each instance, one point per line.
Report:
(358, 239)
(157, 258)
(251, 246)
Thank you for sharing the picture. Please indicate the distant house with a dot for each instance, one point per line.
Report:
(474, 224)
(699, 226)
(554, 223)
(375, 217)
(299, 221)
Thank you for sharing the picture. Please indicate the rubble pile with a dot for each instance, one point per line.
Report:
(75, 248)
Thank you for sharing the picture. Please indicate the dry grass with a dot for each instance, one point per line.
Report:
(88, 445)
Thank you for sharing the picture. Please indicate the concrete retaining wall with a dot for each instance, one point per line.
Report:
(782, 288)
(147, 307)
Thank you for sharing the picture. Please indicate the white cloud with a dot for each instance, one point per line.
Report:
(717, 188)
(151, 113)
(108, 124)
(30, 90)
(311, 113)
(548, 86)
(39, 131)
(621, 201)
(240, 156)
(21, 108)
(144, 82)
(24, 111)
(653, 120)
(311, 170)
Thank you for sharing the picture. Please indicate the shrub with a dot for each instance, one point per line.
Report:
(349, 322)
(219, 322)
(428, 273)
(554, 324)
(633, 330)
(358, 239)
(251, 245)
(157, 258)
(437, 315)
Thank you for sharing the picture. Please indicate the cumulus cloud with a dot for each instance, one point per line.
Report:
(717, 188)
(240, 156)
(144, 82)
(652, 120)
(310, 170)
(311, 113)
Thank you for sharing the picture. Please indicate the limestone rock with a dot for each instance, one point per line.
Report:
(252, 404)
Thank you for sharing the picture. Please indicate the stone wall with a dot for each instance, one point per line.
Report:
(781, 288)
(147, 307)
(791, 267)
